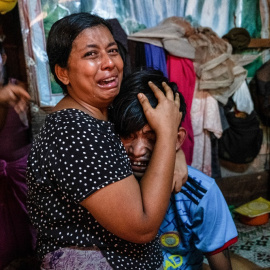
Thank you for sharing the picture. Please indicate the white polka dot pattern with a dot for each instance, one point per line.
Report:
(73, 156)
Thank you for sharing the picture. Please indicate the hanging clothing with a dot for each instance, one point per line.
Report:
(181, 71)
(156, 58)
(214, 64)
(137, 54)
(205, 119)
(170, 35)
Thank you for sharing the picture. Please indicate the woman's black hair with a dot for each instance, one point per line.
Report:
(127, 113)
(63, 33)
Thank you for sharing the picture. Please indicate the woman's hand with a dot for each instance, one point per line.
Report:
(15, 96)
(165, 118)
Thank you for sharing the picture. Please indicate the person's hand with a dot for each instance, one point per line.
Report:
(180, 171)
(165, 118)
(15, 96)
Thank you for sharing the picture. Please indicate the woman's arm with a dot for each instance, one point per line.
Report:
(131, 210)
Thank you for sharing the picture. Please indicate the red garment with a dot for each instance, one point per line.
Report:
(181, 71)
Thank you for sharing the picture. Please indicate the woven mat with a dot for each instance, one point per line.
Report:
(253, 243)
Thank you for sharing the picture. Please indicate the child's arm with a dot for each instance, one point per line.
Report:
(180, 171)
(220, 261)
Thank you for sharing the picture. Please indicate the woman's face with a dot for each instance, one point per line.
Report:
(95, 67)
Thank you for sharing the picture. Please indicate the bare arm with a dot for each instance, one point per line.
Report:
(180, 171)
(15, 96)
(132, 210)
(220, 261)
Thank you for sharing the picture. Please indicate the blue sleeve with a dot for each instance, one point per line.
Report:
(213, 224)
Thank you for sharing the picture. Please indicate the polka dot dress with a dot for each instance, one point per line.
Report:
(73, 156)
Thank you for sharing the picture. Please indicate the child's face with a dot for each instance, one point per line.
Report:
(139, 147)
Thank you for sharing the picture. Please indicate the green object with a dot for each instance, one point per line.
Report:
(56, 88)
(231, 208)
(253, 67)
(54, 14)
(250, 18)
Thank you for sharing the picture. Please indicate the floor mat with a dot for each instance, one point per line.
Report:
(253, 243)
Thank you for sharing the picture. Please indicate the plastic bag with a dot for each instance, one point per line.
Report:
(242, 99)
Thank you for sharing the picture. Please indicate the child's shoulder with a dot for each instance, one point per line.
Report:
(199, 177)
(196, 187)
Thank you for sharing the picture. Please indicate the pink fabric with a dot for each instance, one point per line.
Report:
(181, 71)
(205, 118)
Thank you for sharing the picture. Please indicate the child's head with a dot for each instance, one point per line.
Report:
(127, 114)
(130, 123)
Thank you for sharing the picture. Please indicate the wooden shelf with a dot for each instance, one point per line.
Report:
(259, 43)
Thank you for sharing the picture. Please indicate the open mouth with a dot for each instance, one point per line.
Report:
(109, 82)
(140, 163)
(139, 166)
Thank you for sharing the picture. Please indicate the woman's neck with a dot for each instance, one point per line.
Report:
(72, 102)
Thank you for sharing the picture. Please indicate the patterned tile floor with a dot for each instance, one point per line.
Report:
(253, 243)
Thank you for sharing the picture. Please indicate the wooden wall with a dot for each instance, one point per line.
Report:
(241, 189)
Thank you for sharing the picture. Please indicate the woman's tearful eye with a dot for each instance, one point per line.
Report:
(90, 54)
(114, 51)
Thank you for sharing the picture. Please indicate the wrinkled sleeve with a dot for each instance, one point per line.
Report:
(214, 228)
